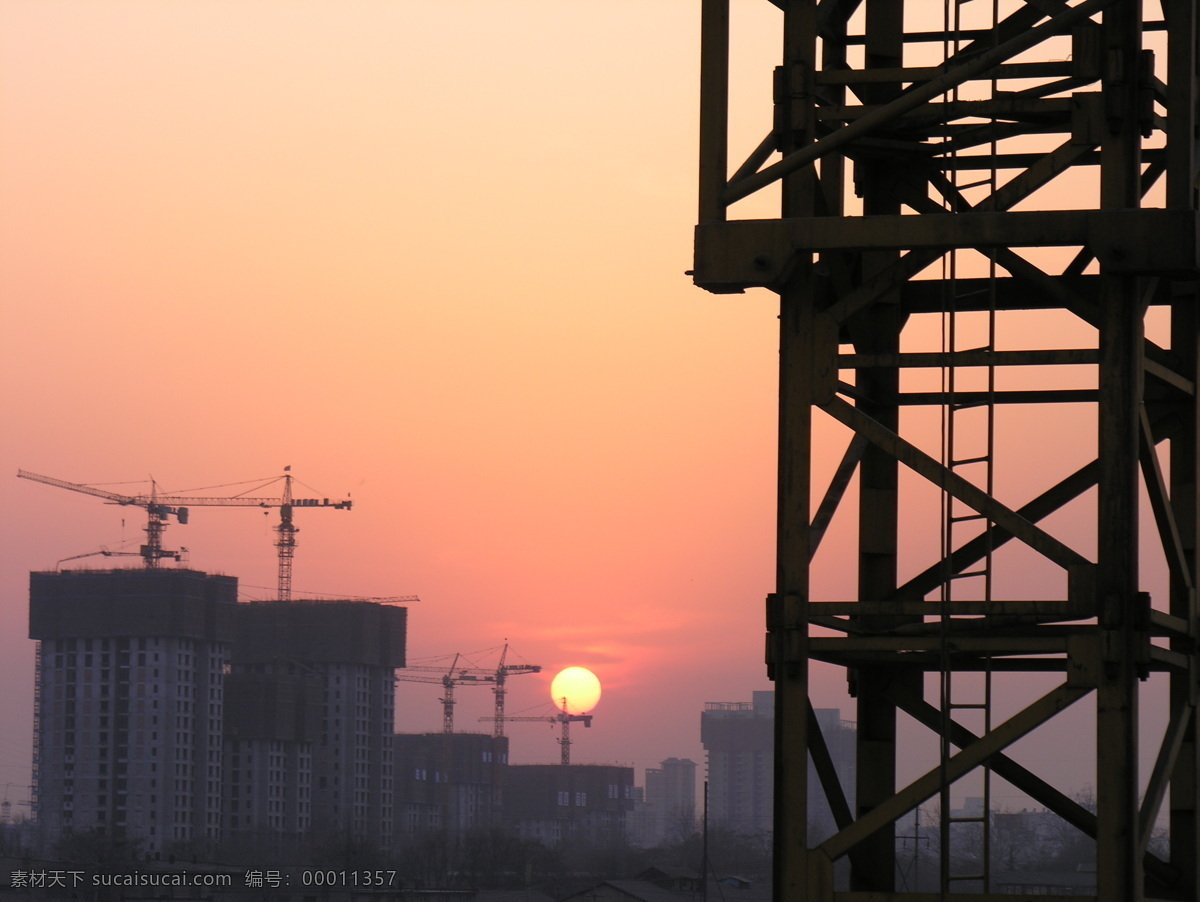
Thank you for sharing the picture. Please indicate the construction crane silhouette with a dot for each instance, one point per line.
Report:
(562, 717)
(108, 552)
(448, 681)
(376, 599)
(455, 675)
(502, 672)
(159, 508)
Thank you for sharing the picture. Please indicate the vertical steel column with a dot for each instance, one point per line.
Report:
(786, 617)
(1121, 620)
(1118, 866)
(877, 331)
(714, 108)
(798, 394)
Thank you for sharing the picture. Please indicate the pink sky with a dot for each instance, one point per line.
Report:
(431, 254)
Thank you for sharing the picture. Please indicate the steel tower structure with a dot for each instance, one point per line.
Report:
(944, 191)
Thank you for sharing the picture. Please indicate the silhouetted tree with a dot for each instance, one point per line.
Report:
(680, 829)
(426, 860)
(340, 850)
(493, 858)
(1070, 848)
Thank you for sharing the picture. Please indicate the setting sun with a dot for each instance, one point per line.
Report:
(575, 690)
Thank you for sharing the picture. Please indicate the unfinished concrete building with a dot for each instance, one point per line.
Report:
(171, 716)
(129, 702)
(448, 781)
(332, 664)
(553, 803)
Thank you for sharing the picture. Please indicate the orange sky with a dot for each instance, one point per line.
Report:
(428, 253)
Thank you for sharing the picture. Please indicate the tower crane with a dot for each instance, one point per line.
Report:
(456, 675)
(562, 717)
(448, 680)
(159, 508)
(502, 672)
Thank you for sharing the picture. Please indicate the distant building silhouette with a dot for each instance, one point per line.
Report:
(738, 738)
(669, 810)
(740, 744)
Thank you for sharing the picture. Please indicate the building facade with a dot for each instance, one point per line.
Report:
(450, 781)
(129, 702)
(272, 723)
(668, 813)
(327, 750)
(551, 803)
(739, 738)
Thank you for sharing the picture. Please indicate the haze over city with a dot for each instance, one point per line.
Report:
(431, 256)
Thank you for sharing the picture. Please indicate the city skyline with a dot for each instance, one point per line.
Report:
(170, 716)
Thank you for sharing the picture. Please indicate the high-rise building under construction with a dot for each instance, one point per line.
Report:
(166, 714)
(333, 663)
(129, 702)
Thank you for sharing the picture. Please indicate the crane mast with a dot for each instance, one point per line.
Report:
(286, 543)
(502, 672)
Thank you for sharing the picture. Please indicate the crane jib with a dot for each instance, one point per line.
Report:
(159, 507)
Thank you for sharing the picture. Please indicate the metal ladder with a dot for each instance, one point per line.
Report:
(962, 429)
(957, 695)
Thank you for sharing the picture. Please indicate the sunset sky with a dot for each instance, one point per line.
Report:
(429, 254)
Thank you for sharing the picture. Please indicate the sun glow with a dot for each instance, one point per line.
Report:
(575, 690)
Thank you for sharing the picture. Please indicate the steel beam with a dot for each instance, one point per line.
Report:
(756, 253)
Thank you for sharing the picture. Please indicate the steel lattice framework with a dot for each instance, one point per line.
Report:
(900, 156)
